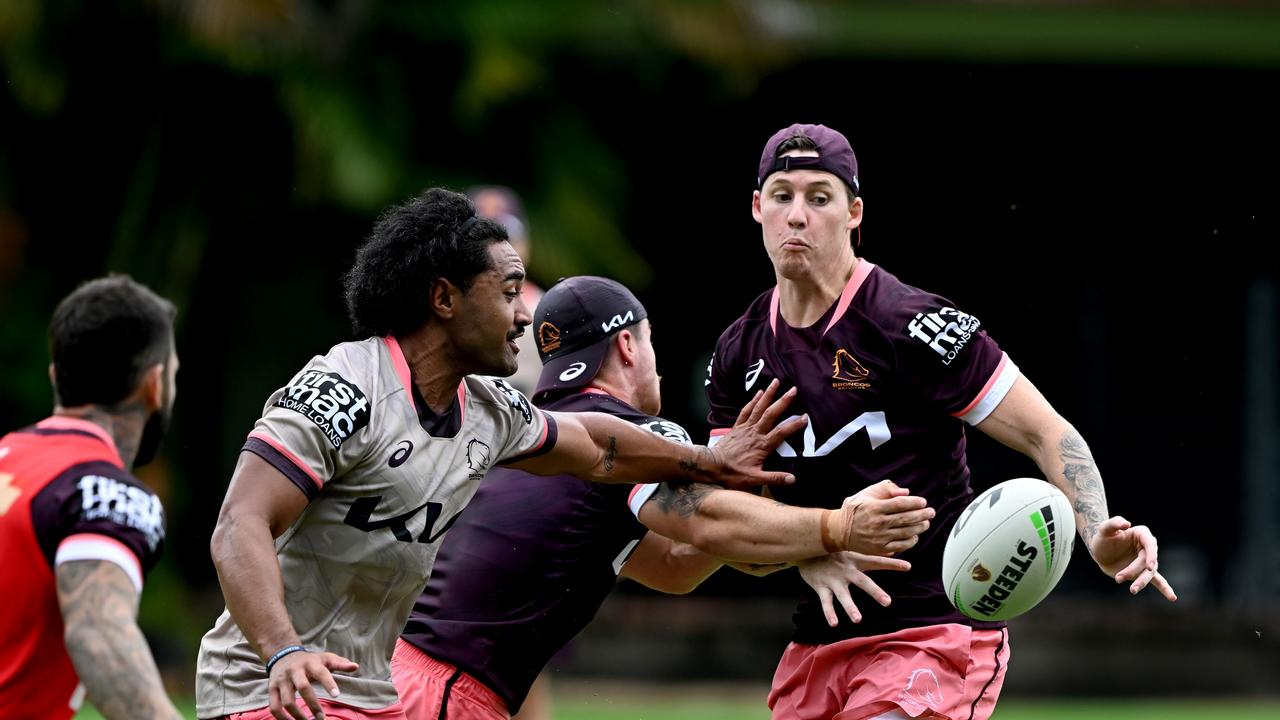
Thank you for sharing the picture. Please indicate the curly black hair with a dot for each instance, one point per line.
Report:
(434, 235)
(104, 336)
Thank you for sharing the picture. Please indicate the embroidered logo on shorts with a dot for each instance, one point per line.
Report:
(923, 689)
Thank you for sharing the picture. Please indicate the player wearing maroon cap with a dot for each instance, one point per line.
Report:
(531, 561)
(77, 531)
(888, 376)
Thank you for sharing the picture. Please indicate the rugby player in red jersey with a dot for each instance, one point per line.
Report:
(78, 532)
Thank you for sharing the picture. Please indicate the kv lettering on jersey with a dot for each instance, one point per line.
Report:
(336, 406)
(946, 330)
(104, 498)
(873, 422)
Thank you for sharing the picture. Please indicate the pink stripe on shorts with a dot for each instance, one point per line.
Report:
(939, 671)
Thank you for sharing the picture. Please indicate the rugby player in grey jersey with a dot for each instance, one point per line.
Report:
(364, 459)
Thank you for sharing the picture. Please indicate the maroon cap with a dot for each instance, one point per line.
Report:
(834, 155)
(573, 321)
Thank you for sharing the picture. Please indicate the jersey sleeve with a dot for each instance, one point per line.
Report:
(640, 494)
(529, 431)
(726, 392)
(314, 429)
(98, 511)
(948, 358)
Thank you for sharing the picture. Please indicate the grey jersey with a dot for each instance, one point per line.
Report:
(386, 477)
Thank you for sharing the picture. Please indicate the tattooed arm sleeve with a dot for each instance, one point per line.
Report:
(99, 606)
(1026, 422)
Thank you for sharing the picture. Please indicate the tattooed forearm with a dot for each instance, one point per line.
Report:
(694, 469)
(611, 454)
(683, 499)
(108, 650)
(1082, 476)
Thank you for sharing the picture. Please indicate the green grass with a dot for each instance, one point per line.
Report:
(686, 708)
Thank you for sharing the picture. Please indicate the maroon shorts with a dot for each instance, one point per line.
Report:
(947, 671)
(430, 689)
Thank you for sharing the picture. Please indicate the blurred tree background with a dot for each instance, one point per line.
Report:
(1095, 180)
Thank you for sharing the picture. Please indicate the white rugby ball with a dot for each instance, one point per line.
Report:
(1009, 548)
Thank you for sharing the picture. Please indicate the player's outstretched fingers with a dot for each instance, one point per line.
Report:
(308, 694)
(275, 705)
(333, 661)
(744, 414)
(828, 606)
(766, 397)
(1147, 541)
(1164, 587)
(846, 602)
(775, 409)
(785, 429)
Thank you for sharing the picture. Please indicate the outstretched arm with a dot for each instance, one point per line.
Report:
(1026, 422)
(99, 608)
(603, 448)
(881, 520)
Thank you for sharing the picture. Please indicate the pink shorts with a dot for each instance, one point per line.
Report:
(332, 710)
(947, 671)
(432, 690)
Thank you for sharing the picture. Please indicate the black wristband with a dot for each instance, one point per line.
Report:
(281, 653)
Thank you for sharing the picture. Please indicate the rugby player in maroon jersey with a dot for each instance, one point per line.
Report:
(888, 376)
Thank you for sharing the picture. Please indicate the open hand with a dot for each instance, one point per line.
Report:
(751, 440)
(831, 575)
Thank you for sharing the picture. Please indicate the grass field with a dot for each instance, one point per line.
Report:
(689, 707)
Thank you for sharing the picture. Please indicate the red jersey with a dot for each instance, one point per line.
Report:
(64, 496)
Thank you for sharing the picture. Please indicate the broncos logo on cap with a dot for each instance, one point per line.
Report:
(548, 338)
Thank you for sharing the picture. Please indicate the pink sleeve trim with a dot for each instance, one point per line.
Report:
(640, 495)
(92, 546)
(303, 467)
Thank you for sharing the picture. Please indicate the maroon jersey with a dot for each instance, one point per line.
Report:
(528, 564)
(64, 496)
(888, 375)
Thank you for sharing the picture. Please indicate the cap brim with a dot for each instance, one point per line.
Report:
(572, 370)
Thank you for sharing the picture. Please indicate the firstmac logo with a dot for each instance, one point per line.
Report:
(946, 330)
(336, 406)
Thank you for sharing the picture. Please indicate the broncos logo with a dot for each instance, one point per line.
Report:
(548, 337)
(845, 367)
(477, 456)
(925, 686)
